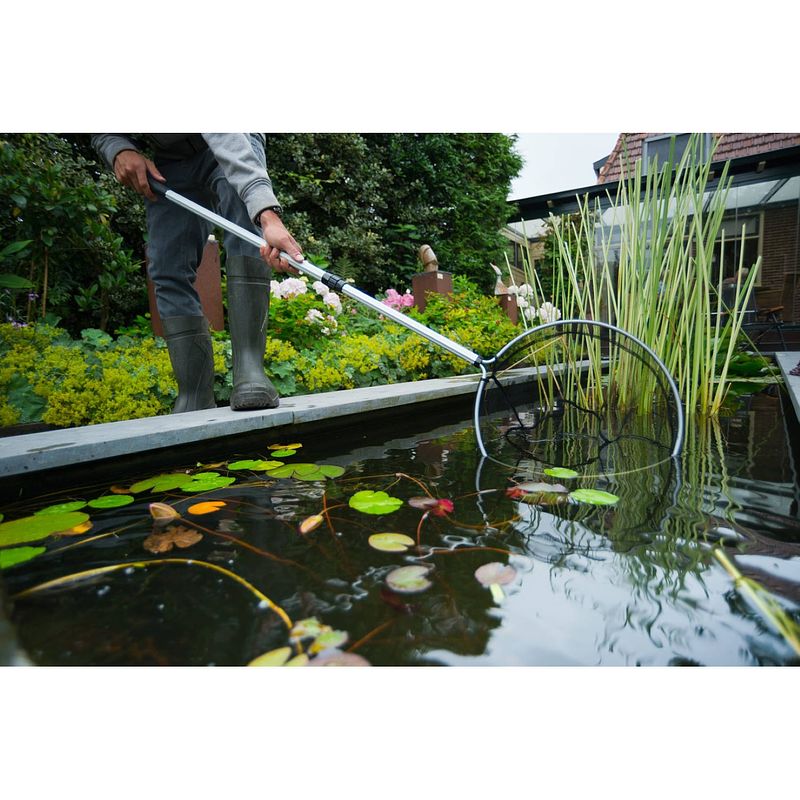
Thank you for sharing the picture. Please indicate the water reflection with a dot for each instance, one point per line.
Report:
(632, 583)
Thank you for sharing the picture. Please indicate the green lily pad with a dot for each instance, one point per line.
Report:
(595, 497)
(561, 472)
(256, 465)
(391, 542)
(162, 483)
(283, 453)
(18, 555)
(206, 482)
(111, 501)
(328, 639)
(409, 580)
(370, 502)
(274, 658)
(307, 628)
(33, 528)
(58, 508)
(307, 472)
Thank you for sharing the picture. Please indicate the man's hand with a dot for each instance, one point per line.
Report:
(131, 169)
(278, 238)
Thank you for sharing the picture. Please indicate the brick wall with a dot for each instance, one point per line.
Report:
(780, 265)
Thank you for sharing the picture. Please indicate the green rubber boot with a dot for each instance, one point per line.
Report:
(192, 358)
(248, 312)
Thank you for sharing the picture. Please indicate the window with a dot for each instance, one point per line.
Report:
(658, 147)
(742, 241)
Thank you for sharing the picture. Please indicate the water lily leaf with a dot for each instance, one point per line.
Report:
(257, 465)
(300, 660)
(292, 446)
(31, 529)
(391, 542)
(533, 487)
(561, 472)
(370, 502)
(337, 658)
(274, 658)
(74, 505)
(209, 507)
(311, 523)
(307, 628)
(76, 530)
(328, 639)
(162, 483)
(496, 573)
(174, 536)
(18, 555)
(161, 512)
(331, 470)
(283, 453)
(206, 484)
(595, 497)
(409, 580)
(111, 501)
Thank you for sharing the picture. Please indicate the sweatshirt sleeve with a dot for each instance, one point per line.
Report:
(109, 145)
(245, 169)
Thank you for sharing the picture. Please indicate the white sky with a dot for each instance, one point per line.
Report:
(558, 161)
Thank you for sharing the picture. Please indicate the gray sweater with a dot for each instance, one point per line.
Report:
(233, 152)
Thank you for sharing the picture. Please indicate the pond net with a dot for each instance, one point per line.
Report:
(581, 395)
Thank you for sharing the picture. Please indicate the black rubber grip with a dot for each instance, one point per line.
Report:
(157, 186)
(333, 281)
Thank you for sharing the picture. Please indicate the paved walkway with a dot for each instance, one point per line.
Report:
(787, 362)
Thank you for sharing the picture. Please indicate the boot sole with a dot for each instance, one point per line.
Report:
(254, 399)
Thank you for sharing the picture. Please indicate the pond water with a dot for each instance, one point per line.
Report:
(632, 583)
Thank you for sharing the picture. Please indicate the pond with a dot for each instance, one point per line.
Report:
(503, 573)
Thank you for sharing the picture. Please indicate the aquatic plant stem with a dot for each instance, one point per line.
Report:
(374, 632)
(91, 573)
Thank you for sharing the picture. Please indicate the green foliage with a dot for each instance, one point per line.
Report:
(56, 211)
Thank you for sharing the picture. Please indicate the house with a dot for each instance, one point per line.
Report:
(763, 204)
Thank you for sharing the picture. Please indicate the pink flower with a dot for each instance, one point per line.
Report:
(398, 301)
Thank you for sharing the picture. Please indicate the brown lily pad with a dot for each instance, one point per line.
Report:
(174, 536)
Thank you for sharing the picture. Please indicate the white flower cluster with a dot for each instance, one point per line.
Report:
(326, 322)
(547, 312)
(292, 287)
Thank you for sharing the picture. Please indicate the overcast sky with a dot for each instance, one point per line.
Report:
(558, 161)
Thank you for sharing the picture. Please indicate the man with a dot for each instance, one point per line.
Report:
(226, 172)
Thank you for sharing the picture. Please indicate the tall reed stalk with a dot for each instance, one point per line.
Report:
(645, 264)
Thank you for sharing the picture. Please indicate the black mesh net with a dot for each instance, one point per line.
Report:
(580, 395)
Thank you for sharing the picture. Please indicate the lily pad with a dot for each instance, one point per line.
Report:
(539, 493)
(370, 502)
(18, 555)
(327, 640)
(33, 528)
(274, 658)
(300, 660)
(409, 580)
(111, 501)
(595, 497)
(58, 508)
(209, 507)
(283, 453)
(391, 542)
(536, 487)
(495, 572)
(290, 446)
(307, 628)
(255, 465)
(307, 472)
(162, 483)
(337, 658)
(174, 536)
(76, 530)
(206, 482)
(561, 472)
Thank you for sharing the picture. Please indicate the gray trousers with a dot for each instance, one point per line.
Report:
(177, 237)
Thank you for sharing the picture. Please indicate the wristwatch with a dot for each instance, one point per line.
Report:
(276, 209)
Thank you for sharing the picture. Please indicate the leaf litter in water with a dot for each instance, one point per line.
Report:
(595, 497)
(174, 536)
(310, 523)
(33, 528)
(369, 502)
(439, 506)
(409, 580)
(391, 542)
